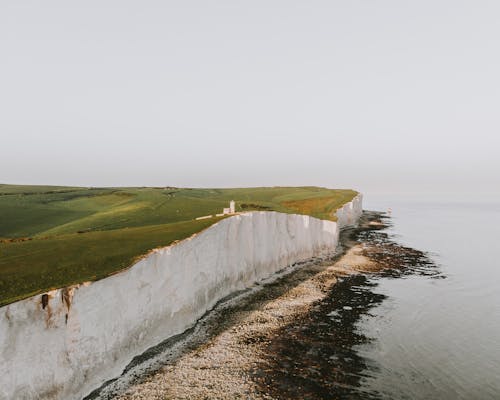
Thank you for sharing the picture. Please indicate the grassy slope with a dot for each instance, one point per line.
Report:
(56, 236)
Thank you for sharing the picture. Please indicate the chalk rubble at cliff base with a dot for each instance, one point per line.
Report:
(67, 342)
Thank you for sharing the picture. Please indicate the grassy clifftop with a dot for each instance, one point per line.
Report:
(55, 236)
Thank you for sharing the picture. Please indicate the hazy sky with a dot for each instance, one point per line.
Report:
(381, 96)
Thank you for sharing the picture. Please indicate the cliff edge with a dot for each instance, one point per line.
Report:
(65, 343)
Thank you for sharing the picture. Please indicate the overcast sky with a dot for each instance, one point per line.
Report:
(381, 96)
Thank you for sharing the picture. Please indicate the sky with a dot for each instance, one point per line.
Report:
(386, 97)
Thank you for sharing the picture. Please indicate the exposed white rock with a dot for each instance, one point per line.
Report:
(350, 212)
(66, 343)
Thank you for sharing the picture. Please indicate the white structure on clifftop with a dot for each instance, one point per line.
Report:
(231, 209)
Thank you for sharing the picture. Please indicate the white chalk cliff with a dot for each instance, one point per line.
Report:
(70, 341)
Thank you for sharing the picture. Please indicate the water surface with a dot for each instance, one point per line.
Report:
(438, 338)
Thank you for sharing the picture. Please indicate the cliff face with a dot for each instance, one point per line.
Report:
(64, 344)
(349, 213)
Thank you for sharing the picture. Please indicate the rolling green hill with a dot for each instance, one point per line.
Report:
(53, 236)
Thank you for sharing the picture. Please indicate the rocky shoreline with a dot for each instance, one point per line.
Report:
(293, 337)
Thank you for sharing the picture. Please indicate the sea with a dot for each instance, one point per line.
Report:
(437, 335)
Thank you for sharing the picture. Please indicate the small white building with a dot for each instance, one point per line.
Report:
(231, 209)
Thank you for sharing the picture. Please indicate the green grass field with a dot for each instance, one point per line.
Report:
(55, 236)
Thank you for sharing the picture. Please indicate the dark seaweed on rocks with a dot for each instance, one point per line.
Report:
(316, 357)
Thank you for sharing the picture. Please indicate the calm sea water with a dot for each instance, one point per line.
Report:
(438, 338)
